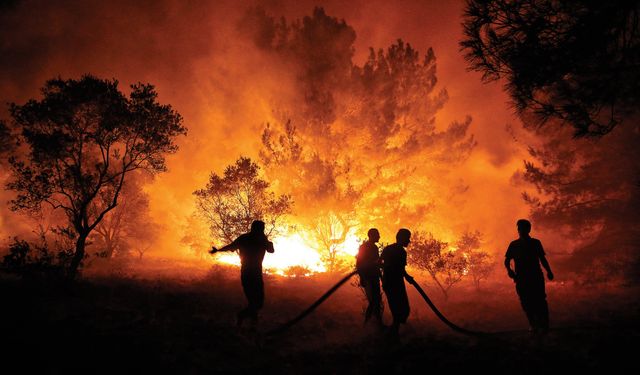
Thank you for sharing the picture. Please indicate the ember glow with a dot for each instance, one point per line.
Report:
(361, 129)
(415, 165)
(295, 251)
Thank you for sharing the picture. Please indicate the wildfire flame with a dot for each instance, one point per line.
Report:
(293, 251)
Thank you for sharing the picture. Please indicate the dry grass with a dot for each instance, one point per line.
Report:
(180, 318)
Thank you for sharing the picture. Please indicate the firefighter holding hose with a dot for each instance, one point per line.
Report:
(368, 267)
(394, 261)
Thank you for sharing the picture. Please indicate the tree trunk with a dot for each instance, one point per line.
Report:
(442, 288)
(78, 256)
(108, 247)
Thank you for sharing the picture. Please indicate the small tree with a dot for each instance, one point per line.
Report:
(83, 138)
(231, 202)
(329, 232)
(446, 267)
(479, 263)
(196, 235)
(126, 224)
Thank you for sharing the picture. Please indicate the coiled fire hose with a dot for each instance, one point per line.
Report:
(329, 292)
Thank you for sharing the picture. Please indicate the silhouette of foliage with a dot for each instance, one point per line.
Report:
(232, 201)
(587, 192)
(445, 267)
(41, 257)
(573, 61)
(297, 271)
(7, 142)
(84, 137)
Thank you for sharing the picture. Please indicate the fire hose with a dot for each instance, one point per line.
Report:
(329, 292)
(442, 317)
(308, 311)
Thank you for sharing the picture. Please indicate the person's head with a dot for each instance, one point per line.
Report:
(374, 235)
(257, 226)
(403, 237)
(524, 227)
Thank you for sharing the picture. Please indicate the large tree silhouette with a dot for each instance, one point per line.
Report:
(83, 138)
(573, 61)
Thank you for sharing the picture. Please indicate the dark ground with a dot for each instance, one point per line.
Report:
(186, 325)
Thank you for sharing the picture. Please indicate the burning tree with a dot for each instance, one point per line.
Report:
(196, 236)
(352, 136)
(316, 183)
(329, 233)
(82, 139)
(479, 264)
(229, 203)
(445, 266)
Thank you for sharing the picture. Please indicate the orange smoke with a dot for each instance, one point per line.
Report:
(227, 89)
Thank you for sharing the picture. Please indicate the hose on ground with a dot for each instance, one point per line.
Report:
(442, 317)
(329, 292)
(310, 309)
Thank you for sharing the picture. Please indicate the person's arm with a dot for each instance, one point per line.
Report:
(270, 247)
(230, 247)
(507, 264)
(545, 263)
(408, 277)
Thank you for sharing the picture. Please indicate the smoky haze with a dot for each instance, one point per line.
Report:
(226, 87)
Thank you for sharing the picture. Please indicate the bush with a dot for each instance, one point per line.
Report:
(27, 258)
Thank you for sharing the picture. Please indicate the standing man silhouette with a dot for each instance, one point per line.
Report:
(527, 254)
(394, 260)
(368, 266)
(252, 246)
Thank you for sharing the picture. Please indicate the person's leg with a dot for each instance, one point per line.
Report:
(542, 309)
(527, 303)
(403, 303)
(366, 285)
(246, 288)
(390, 292)
(544, 314)
(257, 299)
(254, 291)
(398, 304)
(376, 301)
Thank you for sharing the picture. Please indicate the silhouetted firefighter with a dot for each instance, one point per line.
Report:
(527, 254)
(252, 248)
(394, 260)
(368, 266)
